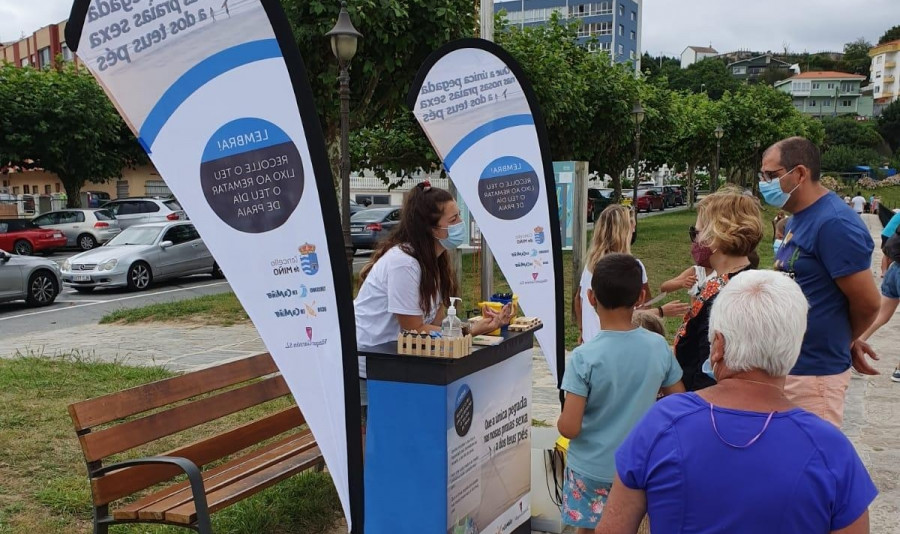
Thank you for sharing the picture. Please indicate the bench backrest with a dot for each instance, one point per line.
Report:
(249, 382)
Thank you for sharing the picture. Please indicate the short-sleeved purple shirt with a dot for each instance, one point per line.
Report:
(801, 475)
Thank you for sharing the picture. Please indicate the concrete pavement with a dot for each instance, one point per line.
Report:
(872, 419)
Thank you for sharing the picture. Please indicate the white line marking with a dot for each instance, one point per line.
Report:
(142, 295)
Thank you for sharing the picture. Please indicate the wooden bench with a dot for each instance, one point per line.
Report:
(248, 458)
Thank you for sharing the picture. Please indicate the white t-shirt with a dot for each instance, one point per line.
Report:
(859, 204)
(700, 273)
(590, 321)
(392, 287)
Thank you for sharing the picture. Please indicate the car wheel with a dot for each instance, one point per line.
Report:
(217, 272)
(42, 289)
(86, 242)
(23, 248)
(139, 276)
(84, 289)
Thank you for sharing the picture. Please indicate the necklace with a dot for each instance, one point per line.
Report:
(779, 388)
(712, 418)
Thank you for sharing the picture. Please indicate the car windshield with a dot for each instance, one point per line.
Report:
(104, 215)
(136, 235)
(371, 215)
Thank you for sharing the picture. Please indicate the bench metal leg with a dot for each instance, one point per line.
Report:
(101, 512)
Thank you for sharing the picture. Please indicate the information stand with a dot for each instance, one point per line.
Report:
(448, 442)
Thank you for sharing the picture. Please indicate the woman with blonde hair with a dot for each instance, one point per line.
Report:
(613, 232)
(728, 228)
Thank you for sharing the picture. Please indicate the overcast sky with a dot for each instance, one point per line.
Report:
(669, 25)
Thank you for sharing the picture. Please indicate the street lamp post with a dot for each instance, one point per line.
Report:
(719, 133)
(637, 114)
(756, 144)
(344, 38)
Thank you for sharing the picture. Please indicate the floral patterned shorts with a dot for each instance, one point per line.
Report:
(583, 500)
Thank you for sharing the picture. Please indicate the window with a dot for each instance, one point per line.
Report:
(588, 10)
(621, 50)
(739, 70)
(632, 36)
(595, 28)
(830, 85)
(48, 219)
(57, 187)
(66, 53)
(172, 205)
(156, 188)
(621, 10)
(812, 103)
(35, 190)
(826, 103)
(71, 217)
(47, 189)
(621, 30)
(15, 190)
(147, 207)
(879, 60)
(179, 234)
(27, 189)
(846, 103)
(24, 62)
(877, 74)
(815, 85)
(633, 15)
(877, 89)
(631, 54)
(44, 57)
(846, 87)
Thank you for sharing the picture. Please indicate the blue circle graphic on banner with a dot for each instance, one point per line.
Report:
(508, 188)
(252, 175)
(464, 412)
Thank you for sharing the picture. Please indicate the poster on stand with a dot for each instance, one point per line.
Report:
(489, 449)
(478, 110)
(218, 97)
(564, 174)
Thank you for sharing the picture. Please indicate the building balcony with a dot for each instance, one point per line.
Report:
(889, 79)
(890, 64)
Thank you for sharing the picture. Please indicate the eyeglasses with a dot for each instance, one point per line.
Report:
(768, 176)
(692, 231)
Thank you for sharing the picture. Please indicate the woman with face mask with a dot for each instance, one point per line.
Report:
(409, 280)
(693, 278)
(728, 230)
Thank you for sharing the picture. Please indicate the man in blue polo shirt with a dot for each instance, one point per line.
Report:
(827, 249)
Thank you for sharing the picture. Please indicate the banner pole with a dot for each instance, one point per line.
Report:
(487, 258)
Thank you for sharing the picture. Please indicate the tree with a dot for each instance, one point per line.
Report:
(63, 120)
(710, 76)
(889, 125)
(843, 158)
(397, 37)
(892, 34)
(856, 56)
(849, 132)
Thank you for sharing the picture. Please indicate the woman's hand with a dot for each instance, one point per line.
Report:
(688, 281)
(492, 320)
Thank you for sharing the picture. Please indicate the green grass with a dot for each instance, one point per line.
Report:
(43, 485)
(222, 309)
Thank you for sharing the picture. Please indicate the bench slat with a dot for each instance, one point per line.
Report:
(125, 436)
(93, 412)
(122, 483)
(244, 487)
(154, 505)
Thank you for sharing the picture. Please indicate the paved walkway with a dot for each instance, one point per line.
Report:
(872, 419)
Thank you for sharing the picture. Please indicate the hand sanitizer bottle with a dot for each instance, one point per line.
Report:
(451, 326)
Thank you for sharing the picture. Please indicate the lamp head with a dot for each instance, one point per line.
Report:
(637, 113)
(719, 132)
(344, 36)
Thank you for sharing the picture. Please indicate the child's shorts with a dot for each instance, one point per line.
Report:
(583, 500)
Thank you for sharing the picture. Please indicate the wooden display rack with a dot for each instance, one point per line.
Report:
(524, 324)
(413, 343)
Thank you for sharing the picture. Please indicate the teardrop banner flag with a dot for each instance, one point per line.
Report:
(478, 110)
(218, 96)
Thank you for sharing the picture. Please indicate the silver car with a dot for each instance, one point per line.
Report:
(139, 256)
(34, 280)
(132, 211)
(84, 229)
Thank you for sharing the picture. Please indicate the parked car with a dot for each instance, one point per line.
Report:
(84, 229)
(34, 280)
(598, 200)
(648, 200)
(369, 226)
(668, 195)
(680, 194)
(94, 199)
(23, 237)
(140, 255)
(142, 210)
(356, 207)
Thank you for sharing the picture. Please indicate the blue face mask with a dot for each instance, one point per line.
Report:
(771, 191)
(777, 245)
(456, 235)
(707, 369)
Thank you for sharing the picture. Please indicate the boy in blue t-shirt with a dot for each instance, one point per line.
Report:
(611, 381)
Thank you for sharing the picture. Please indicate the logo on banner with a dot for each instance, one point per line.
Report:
(539, 235)
(303, 291)
(465, 410)
(309, 261)
(252, 175)
(508, 188)
(309, 333)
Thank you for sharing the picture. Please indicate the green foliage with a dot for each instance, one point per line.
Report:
(856, 56)
(892, 34)
(848, 131)
(62, 119)
(844, 158)
(710, 76)
(889, 125)
(397, 37)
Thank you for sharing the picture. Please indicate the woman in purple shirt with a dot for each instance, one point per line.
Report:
(738, 457)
